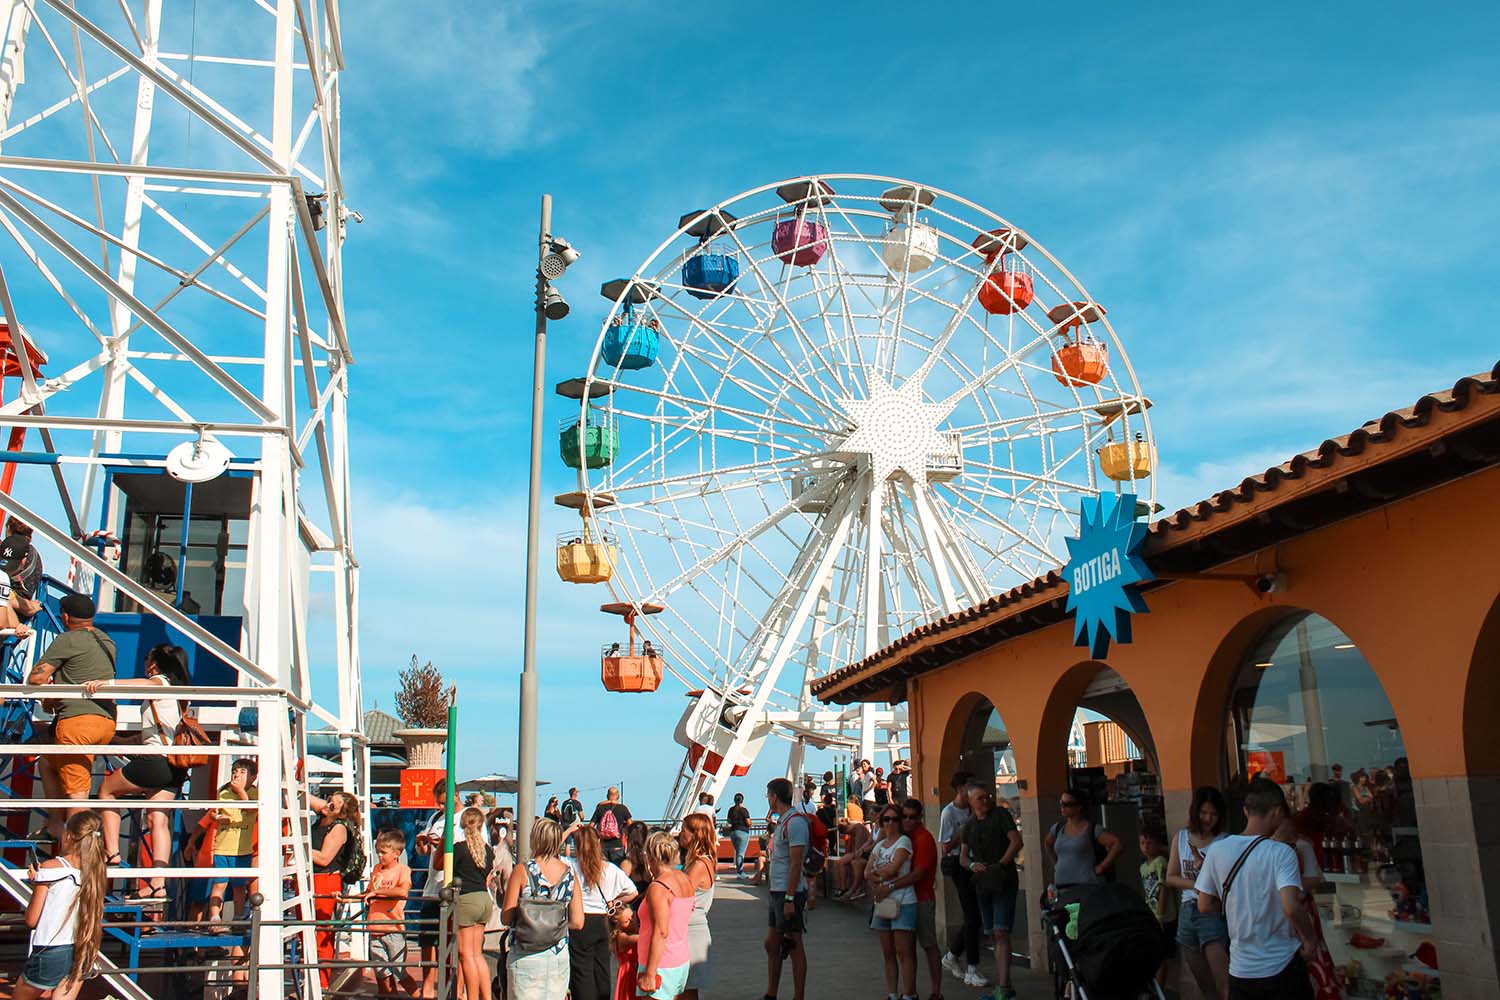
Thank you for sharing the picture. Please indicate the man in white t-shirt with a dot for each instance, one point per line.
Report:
(1257, 882)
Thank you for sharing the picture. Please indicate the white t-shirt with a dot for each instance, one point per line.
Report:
(1261, 942)
(434, 829)
(612, 882)
(867, 786)
(167, 709)
(883, 855)
(706, 810)
(950, 822)
(1188, 862)
(59, 920)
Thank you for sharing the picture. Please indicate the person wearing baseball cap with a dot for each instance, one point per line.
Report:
(82, 653)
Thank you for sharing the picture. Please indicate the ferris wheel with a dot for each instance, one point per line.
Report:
(824, 412)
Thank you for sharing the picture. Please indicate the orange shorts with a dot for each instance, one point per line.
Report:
(76, 771)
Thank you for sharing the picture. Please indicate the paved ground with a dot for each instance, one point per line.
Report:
(844, 953)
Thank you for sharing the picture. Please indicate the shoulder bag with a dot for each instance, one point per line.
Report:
(541, 921)
(187, 734)
(1229, 879)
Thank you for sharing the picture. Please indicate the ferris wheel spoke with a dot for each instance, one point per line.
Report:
(789, 377)
(765, 395)
(800, 334)
(744, 538)
(691, 404)
(980, 513)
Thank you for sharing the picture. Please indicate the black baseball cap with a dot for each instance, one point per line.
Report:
(77, 606)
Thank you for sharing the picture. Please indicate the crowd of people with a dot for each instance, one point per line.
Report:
(607, 908)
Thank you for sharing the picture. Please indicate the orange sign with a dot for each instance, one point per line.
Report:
(417, 784)
(1271, 763)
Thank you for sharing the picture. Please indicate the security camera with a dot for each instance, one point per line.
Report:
(1270, 583)
(559, 257)
(553, 304)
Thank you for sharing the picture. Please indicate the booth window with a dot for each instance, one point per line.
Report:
(1309, 713)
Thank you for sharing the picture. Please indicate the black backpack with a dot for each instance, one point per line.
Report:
(352, 857)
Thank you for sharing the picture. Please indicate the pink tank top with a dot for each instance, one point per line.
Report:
(677, 951)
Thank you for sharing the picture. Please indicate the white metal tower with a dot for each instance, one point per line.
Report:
(173, 216)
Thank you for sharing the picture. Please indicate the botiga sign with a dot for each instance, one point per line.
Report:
(1103, 568)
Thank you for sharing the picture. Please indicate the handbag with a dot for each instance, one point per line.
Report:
(888, 908)
(541, 921)
(187, 734)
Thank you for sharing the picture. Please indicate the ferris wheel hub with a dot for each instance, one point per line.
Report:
(896, 431)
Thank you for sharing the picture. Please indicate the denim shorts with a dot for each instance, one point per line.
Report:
(997, 911)
(47, 966)
(1194, 929)
(778, 918)
(906, 920)
(235, 862)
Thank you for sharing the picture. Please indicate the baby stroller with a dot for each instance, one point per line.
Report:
(1117, 950)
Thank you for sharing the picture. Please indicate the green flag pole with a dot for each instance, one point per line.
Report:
(452, 785)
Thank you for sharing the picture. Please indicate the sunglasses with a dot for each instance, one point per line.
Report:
(890, 819)
(909, 816)
(1066, 803)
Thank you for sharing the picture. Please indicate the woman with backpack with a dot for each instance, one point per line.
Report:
(542, 904)
(1082, 852)
(154, 776)
(336, 855)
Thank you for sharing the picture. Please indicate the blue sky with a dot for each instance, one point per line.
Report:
(1290, 213)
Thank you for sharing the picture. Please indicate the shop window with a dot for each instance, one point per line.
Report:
(1308, 712)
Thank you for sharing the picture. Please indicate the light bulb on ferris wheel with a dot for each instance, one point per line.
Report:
(822, 413)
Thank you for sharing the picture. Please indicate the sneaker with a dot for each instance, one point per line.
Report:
(950, 962)
(973, 978)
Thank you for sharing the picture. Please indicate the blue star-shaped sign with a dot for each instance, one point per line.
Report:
(1103, 565)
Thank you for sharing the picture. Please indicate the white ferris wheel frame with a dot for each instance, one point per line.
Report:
(939, 535)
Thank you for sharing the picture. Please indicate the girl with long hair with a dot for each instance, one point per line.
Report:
(662, 951)
(1204, 937)
(605, 888)
(149, 776)
(66, 912)
(472, 869)
(542, 975)
(699, 844)
(553, 812)
(333, 836)
(636, 864)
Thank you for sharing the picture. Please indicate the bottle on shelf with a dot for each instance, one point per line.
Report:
(1361, 861)
(1346, 855)
(1331, 859)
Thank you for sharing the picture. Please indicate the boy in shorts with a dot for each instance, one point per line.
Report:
(390, 885)
(1159, 896)
(234, 840)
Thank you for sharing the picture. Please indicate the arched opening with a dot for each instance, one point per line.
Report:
(1307, 711)
(1111, 758)
(986, 753)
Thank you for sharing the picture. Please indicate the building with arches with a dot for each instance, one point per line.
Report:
(1332, 621)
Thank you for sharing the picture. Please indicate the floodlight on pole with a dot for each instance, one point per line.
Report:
(554, 255)
(553, 304)
(558, 257)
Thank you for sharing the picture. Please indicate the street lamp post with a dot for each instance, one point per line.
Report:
(553, 257)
